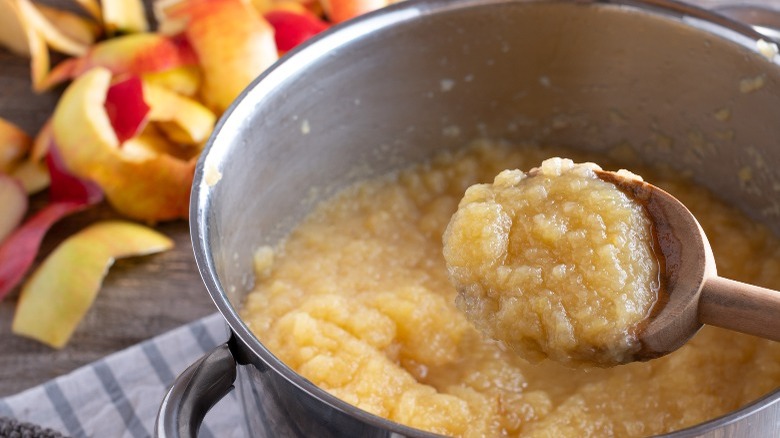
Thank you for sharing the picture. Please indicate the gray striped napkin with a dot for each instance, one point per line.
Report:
(118, 396)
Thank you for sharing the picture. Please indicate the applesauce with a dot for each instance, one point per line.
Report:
(357, 299)
(555, 263)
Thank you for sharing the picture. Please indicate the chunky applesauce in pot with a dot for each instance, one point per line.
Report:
(357, 299)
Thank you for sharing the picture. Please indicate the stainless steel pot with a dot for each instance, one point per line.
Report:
(666, 82)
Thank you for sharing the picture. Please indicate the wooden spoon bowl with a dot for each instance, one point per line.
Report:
(692, 293)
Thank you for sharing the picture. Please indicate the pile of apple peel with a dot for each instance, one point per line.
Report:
(136, 109)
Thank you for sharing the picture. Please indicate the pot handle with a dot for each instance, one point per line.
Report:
(194, 392)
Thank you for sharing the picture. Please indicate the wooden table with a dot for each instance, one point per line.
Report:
(140, 298)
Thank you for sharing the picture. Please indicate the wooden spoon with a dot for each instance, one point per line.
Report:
(692, 293)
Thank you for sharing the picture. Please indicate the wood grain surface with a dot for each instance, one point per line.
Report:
(141, 297)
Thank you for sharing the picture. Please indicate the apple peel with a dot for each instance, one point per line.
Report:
(148, 144)
(92, 7)
(14, 145)
(80, 29)
(50, 33)
(17, 252)
(150, 187)
(342, 10)
(124, 16)
(132, 54)
(33, 176)
(68, 195)
(40, 62)
(16, 158)
(126, 107)
(66, 187)
(13, 31)
(306, 6)
(81, 127)
(13, 198)
(183, 120)
(60, 292)
(21, 38)
(293, 28)
(42, 142)
(234, 44)
(184, 80)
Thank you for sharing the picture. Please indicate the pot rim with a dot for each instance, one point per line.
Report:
(318, 47)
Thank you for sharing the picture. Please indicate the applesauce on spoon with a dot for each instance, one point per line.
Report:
(555, 263)
(357, 299)
(569, 262)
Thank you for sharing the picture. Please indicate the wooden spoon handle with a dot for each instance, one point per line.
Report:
(740, 306)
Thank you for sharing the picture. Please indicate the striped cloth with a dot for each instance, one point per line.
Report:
(118, 396)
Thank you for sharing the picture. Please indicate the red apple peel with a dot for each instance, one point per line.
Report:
(126, 107)
(68, 195)
(292, 28)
